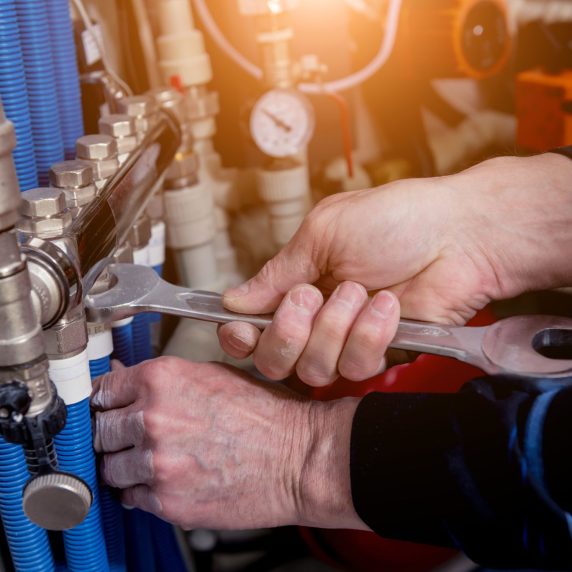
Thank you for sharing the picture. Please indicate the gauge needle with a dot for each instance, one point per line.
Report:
(278, 121)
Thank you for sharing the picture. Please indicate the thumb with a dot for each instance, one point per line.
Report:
(291, 266)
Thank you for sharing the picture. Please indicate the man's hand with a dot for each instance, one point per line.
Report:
(203, 445)
(440, 248)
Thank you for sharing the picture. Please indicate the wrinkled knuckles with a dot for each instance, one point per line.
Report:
(314, 375)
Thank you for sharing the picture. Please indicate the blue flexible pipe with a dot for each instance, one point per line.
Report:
(99, 366)
(123, 344)
(142, 346)
(14, 95)
(66, 78)
(39, 68)
(28, 544)
(167, 550)
(111, 511)
(139, 540)
(84, 544)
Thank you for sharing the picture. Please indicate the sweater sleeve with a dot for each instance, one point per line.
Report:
(487, 470)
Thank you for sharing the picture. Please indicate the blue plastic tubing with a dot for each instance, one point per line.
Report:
(28, 544)
(111, 511)
(142, 346)
(123, 344)
(14, 94)
(40, 77)
(84, 544)
(66, 78)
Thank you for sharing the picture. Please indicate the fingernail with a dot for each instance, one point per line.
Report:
(238, 292)
(306, 299)
(349, 294)
(239, 343)
(383, 304)
(127, 506)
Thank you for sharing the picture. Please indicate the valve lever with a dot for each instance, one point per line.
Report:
(518, 346)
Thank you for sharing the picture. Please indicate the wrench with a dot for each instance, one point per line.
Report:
(514, 346)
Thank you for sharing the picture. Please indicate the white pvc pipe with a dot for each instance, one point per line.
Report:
(349, 82)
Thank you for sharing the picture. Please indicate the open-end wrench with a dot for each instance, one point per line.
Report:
(514, 346)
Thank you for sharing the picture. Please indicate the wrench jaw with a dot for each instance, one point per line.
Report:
(130, 285)
(510, 346)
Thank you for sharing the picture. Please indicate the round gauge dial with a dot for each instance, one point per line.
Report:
(282, 123)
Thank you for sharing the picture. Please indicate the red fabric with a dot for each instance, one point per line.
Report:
(365, 551)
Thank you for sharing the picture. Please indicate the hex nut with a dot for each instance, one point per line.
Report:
(66, 338)
(126, 144)
(71, 174)
(138, 106)
(117, 125)
(140, 234)
(80, 196)
(96, 147)
(46, 227)
(42, 202)
(104, 169)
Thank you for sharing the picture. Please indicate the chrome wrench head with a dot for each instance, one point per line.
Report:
(521, 346)
(131, 284)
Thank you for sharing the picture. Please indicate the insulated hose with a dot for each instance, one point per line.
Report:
(123, 342)
(40, 73)
(66, 76)
(29, 546)
(84, 544)
(14, 95)
(111, 512)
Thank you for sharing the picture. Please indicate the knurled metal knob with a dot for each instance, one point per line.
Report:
(96, 147)
(43, 202)
(57, 501)
(117, 125)
(71, 174)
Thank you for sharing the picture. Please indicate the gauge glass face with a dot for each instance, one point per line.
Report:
(485, 35)
(282, 123)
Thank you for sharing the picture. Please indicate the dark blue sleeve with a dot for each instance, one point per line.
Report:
(487, 470)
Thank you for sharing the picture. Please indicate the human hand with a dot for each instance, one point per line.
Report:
(444, 247)
(206, 446)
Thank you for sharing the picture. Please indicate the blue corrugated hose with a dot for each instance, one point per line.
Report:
(167, 551)
(139, 540)
(100, 366)
(142, 347)
(39, 68)
(66, 77)
(111, 511)
(123, 344)
(84, 544)
(14, 95)
(28, 544)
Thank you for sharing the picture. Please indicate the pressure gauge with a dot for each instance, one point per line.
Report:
(282, 123)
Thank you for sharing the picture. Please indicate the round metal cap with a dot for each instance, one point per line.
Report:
(57, 501)
(43, 202)
(117, 125)
(138, 105)
(96, 147)
(71, 174)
